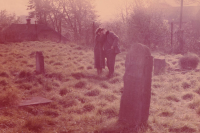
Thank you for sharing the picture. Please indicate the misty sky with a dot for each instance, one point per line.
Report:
(107, 9)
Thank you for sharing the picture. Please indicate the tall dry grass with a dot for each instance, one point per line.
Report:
(82, 100)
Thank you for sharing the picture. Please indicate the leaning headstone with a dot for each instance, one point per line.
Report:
(159, 66)
(135, 100)
(34, 101)
(39, 62)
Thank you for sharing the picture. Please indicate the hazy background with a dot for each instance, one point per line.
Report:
(144, 21)
(107, 9)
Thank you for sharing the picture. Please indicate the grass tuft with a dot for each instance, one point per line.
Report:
(88, 108)
(68, 102)
(51, 113)
(95, 92)
(3, 82)
(6, 123)
(80, 84)
(198, 91)
(9, 98)
(89, 67)
(188, 96)
(114, 81)
(185, 85)
(37, 123)
(4, 74)
(77, 75)
(64, 91)
(184, 129)
(109, 112)
(104, 85)
(166, 114)
(110, 97)
(172, 98)
(195, 104)
(24, 74)
(25, 86)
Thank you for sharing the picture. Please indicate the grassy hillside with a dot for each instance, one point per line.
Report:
(83, 101)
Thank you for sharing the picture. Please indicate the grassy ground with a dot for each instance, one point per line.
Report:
(82, 101)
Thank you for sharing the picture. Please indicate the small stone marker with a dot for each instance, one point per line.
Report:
(34, 100)
(159, 66)
(135, 100)
(39, 62)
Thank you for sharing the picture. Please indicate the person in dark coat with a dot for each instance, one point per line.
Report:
(99, 58)
(111, 48)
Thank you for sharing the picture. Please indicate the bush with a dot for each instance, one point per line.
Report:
(189, 61)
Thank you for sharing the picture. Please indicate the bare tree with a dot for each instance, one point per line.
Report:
(7, 19)
(74, 16)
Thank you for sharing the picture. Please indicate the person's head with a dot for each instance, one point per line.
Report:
(100, 31)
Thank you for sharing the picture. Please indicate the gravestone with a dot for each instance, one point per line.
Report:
(135, 100)
(34, 100)
(159, 66)
(39, 62)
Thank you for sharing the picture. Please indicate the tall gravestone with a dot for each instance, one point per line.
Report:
(39, 62)
(135, 100)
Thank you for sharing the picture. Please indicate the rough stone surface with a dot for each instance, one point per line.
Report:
(34, 100)
(135, 100)
(39, 62)
(159, 66)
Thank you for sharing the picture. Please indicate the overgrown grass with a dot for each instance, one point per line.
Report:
(82, 101)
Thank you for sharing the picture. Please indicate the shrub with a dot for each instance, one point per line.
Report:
(189, 61)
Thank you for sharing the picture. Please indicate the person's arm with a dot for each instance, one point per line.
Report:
(115, 40)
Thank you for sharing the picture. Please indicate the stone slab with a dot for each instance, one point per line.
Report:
(34, 100)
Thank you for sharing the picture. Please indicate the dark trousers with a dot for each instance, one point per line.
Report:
(110, 55)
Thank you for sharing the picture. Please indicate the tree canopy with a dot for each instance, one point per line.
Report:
(76, 16)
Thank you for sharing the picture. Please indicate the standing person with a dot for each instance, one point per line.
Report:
(99, 58)
(111, 48)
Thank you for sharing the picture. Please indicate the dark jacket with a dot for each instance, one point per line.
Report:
(99, 58)
(111, 40)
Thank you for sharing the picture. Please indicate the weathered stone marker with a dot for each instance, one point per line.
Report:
(34, 100)
(159, 66)
(135, 100)
(39, 62)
